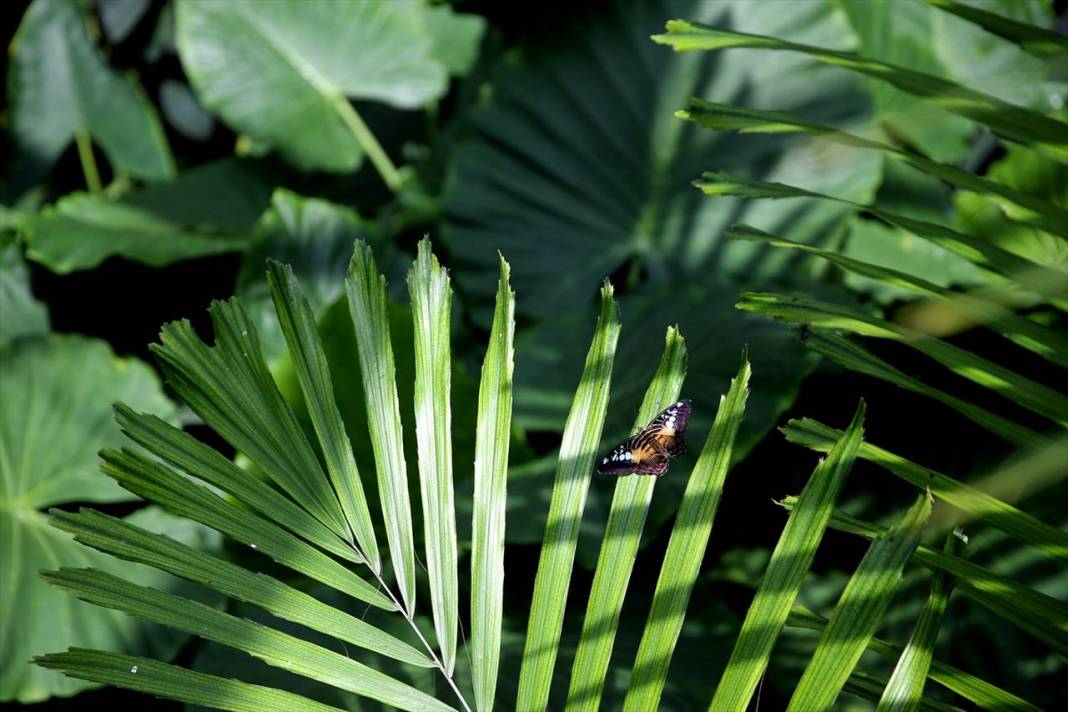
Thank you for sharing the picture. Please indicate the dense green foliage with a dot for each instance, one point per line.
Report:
(367, 477)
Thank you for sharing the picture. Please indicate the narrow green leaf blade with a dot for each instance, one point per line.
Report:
(1009, 120)
(368, 306)
(578, 449)
(1036, 40)
(859, 611)
(205, 463)
(178, 494)
(298, 323)
(272, 646)
(431, 295)
(619, 546)
(869, 686)
(686, 549)
(789, 563)
(1004, 516)
(174, 683)
(905, 688)
(492, 438)
(132, 543)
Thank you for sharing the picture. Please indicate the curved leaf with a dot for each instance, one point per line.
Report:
(23, 314)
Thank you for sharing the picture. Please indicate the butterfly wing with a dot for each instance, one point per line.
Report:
(669, 428)
(620, 461)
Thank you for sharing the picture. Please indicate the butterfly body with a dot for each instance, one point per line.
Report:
(649, 450)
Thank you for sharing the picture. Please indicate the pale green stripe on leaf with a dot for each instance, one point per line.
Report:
(175, 683)
(905, 689)
(132, 543)
(686, 550)
(205, 463)
(431, 297)
(974, 307)
(230, 387)
(859, 611)
(619, 545)
(492, 438)
(724, 117)
(298, 323)
(178, 494)
(967, 686)
(275, 648)
(801, 309)
(1002, 515)
(1009, 120)
(369, 308)
(786, 571)
(578, 450)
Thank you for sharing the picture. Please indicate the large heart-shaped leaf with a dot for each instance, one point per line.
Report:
(61, 86)
(578, 168)
(283, 71)
(207, 210)
(55, 413)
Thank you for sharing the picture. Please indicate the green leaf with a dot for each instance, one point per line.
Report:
(207, 210)
(993, 511)
(869, 686)
(568, 158)
(132, 543)
(175, 683)
(491, 479)
(431, 295)
(1009, 120)
(1036, 40)
(271, 646)
(823, 315)
(619, 546)
(368, 306)
(298, 324)
(905, 688)
(789, 563)
(180, 495)
(229, 386)
(686, 549)
(724, 117)
(456, 37)
(968, 686)
(582, 434)
(61, 87)
(860, 610)
(283, 72)
(23, 314)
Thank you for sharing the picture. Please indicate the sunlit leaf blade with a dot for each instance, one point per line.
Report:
(905, 688)
(789, 563)
(1045, 280)
(1044, 617)
(203, 462)
(431, 295)
(1013, 122)
(578, 449)
(971, 306)
(860, 609)
(132, 543)
(619, 545)
(970, 687)
(686, 550)
(798, 309)
(229, 386)
(180, 495)
(869, 686)
(368, 306)
(493, 436)
(1002, 515)
(298, 323)
(725, 117)
(855, 357)
(1036, 40)
(175, 683)
(273, 647)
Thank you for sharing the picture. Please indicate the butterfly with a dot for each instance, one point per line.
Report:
(647, 452)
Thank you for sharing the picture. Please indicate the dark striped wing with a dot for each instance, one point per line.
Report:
(669, 427)
(647, 452)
